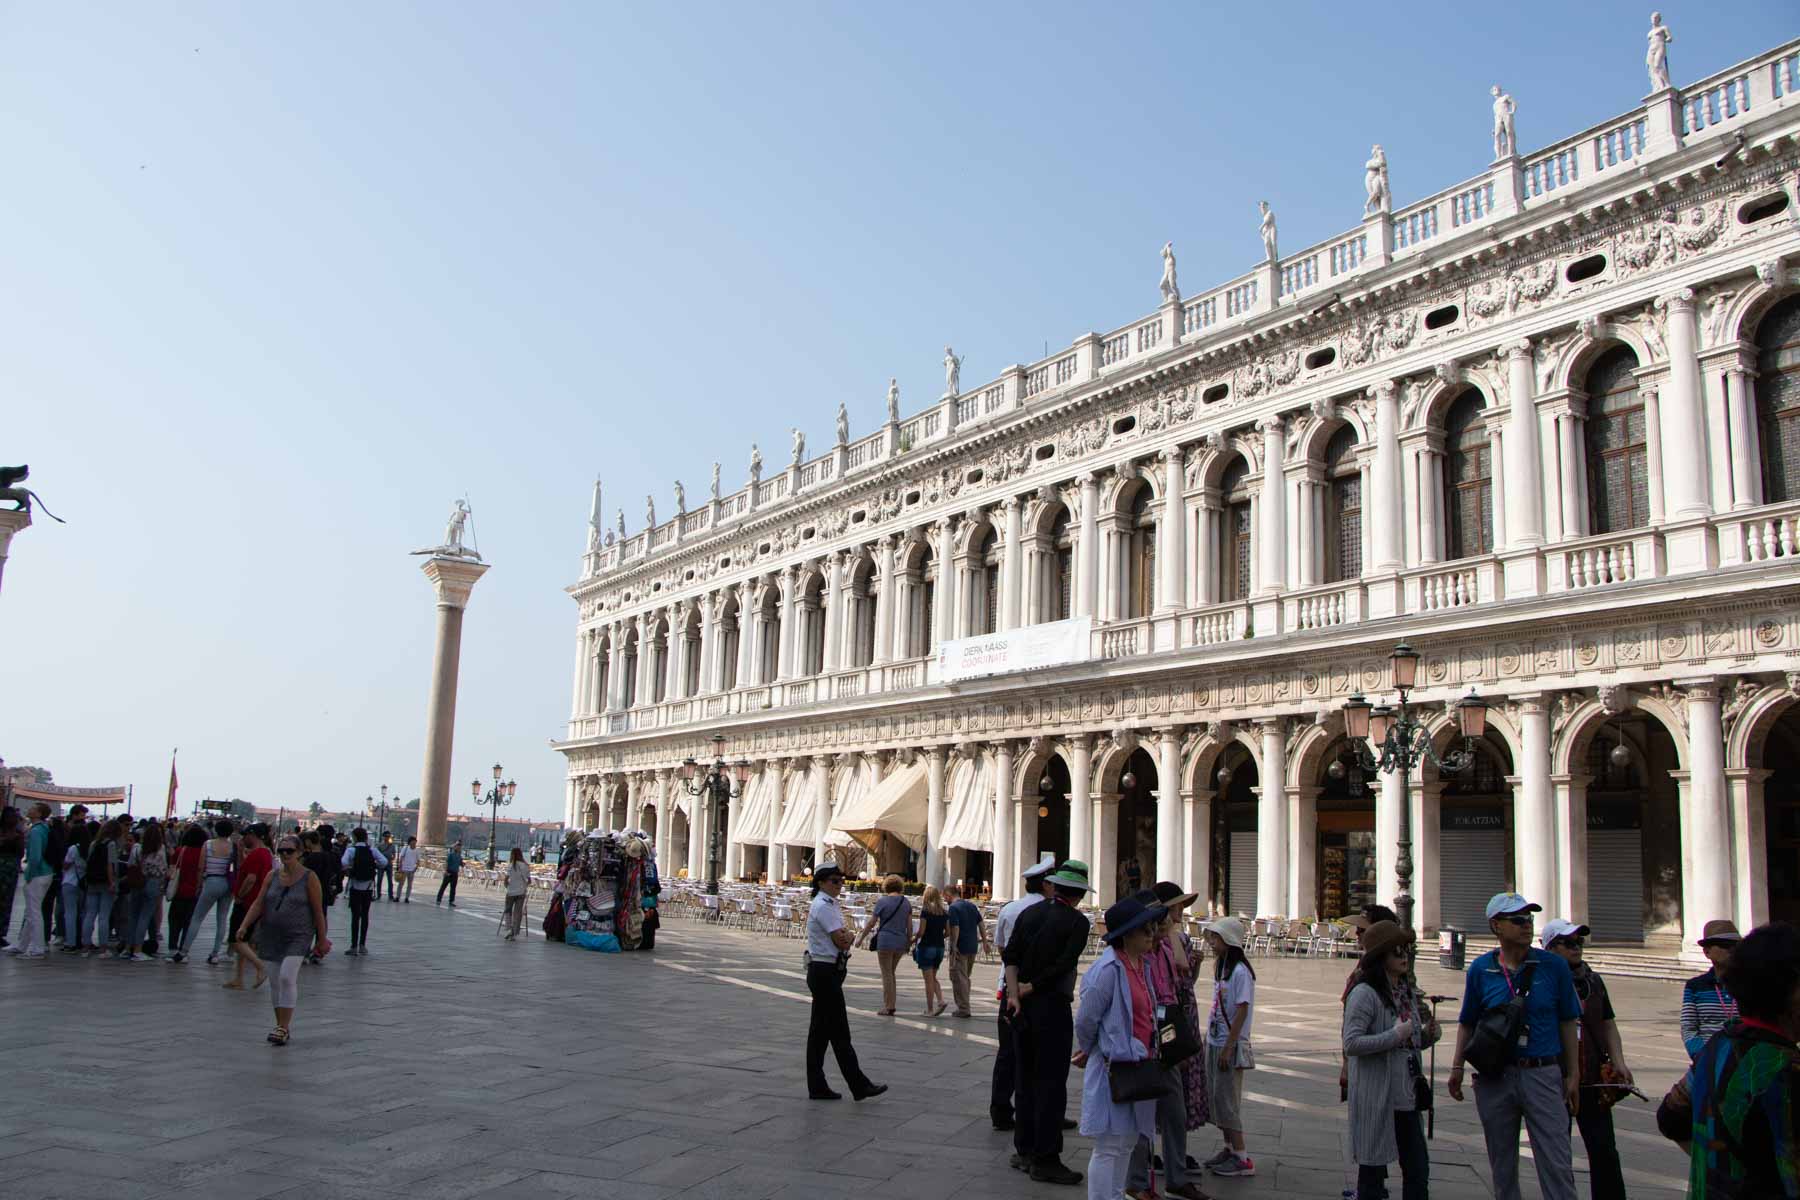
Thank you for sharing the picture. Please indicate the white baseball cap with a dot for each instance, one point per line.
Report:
(1043, 866)
(1559, 928)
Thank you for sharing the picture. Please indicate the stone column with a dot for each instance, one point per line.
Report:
(1497, 481)
(1534, 842)
(1272, 534)
(835, 569)
(1431, 500)
(1173, 550)
(1303, 853)
(750, 626)
(584, 649)
(733, 853)
(665, 817)
(699, 834)
(1746, 462)
(788, 580)
(571, 804)
(777, 807)
(1005, 802)
(674, 660)
(1706, 891)
(1656, 490)
(1196, 847)
(1012, 564)
(1683, 424)
(1081, 801)
(1384, 507)
(1574, 513)
(1427, 855)
(1087, 553)
(935, 863)
(822, 805)
(1387, 841)
(1104, 866)
(943, 611)
(1271, 820)
(1749, 844)
(615, 663)
(1169, 842)
(11, 522)
(452, 579)
(887, 614)
(709, 642)
(1524, 515)
(1569, 794)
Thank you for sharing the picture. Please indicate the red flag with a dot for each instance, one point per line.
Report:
(173, 784)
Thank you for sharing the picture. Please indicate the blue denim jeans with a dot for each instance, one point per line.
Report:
(96, 916)
(146, 902)
(70, 917)
(214, 891)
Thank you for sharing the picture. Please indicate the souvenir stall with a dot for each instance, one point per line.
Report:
(606, 893)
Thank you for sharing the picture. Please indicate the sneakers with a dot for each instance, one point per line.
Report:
(1236, 1167)
(1218, 1159)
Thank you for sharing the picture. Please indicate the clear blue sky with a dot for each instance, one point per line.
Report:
(279, 282)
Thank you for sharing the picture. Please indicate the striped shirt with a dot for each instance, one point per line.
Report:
(1706, 1007)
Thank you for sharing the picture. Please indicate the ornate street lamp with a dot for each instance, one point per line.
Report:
(1387, 738)
(498, 797)
(716, 786)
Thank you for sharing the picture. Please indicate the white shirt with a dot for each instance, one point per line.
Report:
(518, 877)
(822, 920)
(1009, 916)
(409, 860)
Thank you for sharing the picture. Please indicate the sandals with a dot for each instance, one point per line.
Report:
(262, 977)
(278, 1036)
(232, 985)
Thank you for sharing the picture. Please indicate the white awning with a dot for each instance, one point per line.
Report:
(896, 806)
(753, 809)
(803, 787)
(854, 781)
(969, 825)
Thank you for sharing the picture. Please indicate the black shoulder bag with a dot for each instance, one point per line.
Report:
(1496, 1038)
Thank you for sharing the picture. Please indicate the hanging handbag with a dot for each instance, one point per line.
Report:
(1145, 1079)
(1497, 1032)
(1176, 1039)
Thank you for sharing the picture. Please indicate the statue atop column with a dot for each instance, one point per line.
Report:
(1506, 145)
(1270, 253)
(1170, 289)
(1656, 58)
(893, 401)
(843, 424)
(451, 546)
(715, 481)
(1375, 183)
(952, 373)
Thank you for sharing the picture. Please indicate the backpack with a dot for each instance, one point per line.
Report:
(362, 864)
(96, 864)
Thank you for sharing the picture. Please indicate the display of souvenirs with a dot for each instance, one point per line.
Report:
(601, 888)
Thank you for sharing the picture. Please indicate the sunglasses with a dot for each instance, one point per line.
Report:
(1518, 919)
(288, 850)
(1576, 942)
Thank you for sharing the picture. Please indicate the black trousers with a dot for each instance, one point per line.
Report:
(1415, 1163)
(1043, 1039)
(359, 916)
(449, 882)
(180, 911)
(830, 1024)
(1605, 1177)
(1006, 1077)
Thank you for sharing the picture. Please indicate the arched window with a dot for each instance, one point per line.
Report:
(690, 656)
(864, 599)
(1060, 606)
(603, 676)
(1235, 549)
(984, 605)
(631, 668)
(659, 662)
(1778, 400)
(1343, 515)
(771, 634)
(731, 631)
(1618, 474)
(923, 604)
(1468, 479)
(1140, 555)
(812, 627)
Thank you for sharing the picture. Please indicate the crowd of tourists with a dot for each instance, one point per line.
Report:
(1163, 1041)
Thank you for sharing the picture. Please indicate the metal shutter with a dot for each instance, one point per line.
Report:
(1615, 866)
(1470, 871)
(1240, 896)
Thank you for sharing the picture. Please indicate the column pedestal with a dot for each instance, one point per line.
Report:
(453, 579)
(11, 522)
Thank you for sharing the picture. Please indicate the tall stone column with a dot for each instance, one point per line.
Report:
(1168, 804)
(11, 522)
(887, 612)
(822, 805)
(1196, 847)
(1005, 806)
(665, 816)
(836, 568)
(943, 611)
(1087, 553)
(1706, 890)
(1384, 478)
(776, 861)
(788, 581)
(1534, 841)
(1683, 424)
(1273, 534)
(1173, 551)
(1746, 463)
(452, 579)
(1303, 854)
(1524, 515)
(935, 863)
(1387, 841)
(698, 833)
(1271, 819)
(1081, 802)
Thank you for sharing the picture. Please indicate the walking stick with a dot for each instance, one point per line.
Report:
(1431, 1113)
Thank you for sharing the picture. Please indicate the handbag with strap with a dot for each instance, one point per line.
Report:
(1145, 1079)
(1176, 1038)
(1495, 1041)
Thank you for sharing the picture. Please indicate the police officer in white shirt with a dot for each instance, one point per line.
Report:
(1000, 1106)
(827, 962)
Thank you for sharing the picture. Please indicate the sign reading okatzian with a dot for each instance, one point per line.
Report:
(1029, 649)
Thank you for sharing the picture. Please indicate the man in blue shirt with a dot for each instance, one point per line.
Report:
(971, 935)
(1527, 1090)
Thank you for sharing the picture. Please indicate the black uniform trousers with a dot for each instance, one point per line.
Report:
(830, 1024)
(1043, 1040)
(1605, 1178)
(1000, 1106)
(359, 915)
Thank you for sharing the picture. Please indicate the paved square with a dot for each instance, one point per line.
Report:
(452, 1064)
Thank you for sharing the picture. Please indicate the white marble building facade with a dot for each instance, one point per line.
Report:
(1544, 425)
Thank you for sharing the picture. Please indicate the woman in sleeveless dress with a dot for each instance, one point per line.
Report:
(288, 919)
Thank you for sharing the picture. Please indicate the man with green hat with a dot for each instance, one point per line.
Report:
(1040, 958)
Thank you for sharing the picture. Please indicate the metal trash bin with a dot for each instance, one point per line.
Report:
(1452, 948)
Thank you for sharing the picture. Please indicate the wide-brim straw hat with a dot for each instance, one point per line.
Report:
(1383, 936)
(1229, 929)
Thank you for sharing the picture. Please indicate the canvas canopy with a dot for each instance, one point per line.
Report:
(895, 805)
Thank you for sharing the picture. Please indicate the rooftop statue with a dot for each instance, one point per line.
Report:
(1375, 183)
(1656, 58)
(952, 373)
(1170, 289)
(1506, 145)
(799, 445)
(755, 463)
(1268, 232)
(452, 546)
(893, 401)
(649, 513)
(843, 424)
(680, 498)
(715, 481)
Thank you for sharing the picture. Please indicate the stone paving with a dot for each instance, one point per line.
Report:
(451, 1064)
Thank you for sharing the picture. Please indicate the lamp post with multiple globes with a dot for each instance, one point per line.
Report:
(498, 797)
(1386, 738)
(717, 786)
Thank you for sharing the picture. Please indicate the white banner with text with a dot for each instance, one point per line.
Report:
(1029, 649)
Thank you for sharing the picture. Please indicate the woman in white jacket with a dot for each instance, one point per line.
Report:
(518, 882)
(1385, 1027)
(1116, 1023)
